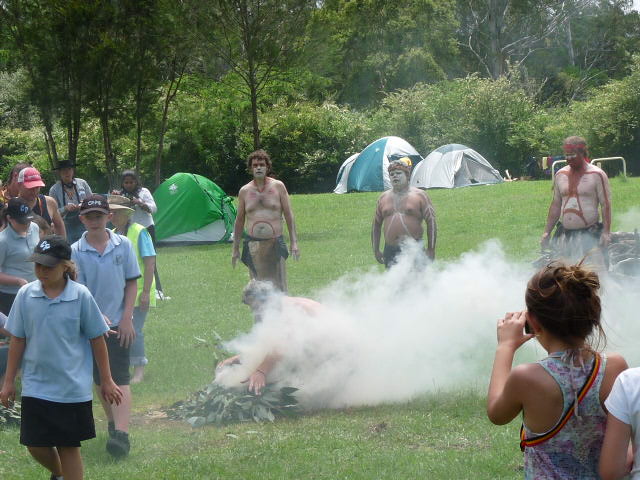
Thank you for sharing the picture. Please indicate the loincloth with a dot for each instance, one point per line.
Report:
(390, 253)
(264, 257)
(575, 244)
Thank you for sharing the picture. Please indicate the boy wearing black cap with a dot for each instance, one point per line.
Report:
(17, 242)
(56, 329)
(108, 266)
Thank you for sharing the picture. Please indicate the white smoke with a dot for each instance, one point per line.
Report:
(387, 337)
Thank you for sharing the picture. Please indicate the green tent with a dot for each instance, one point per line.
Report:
(192, 210)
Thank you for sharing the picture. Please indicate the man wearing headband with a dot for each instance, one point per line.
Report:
(578, 190)
(400, 211)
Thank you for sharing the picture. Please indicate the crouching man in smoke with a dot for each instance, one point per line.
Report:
(578, 190)
(400, 211)
(262, 203)
(263, 298)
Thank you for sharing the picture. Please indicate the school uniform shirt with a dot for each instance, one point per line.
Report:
(624, 403)
(14, 251)
(106, 274)
(58, 361)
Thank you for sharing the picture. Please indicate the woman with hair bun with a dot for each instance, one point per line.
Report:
(562, 396)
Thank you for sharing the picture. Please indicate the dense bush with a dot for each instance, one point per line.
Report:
(480, 113)
(308, 143)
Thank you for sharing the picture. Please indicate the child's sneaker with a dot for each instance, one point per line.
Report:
(118, 444)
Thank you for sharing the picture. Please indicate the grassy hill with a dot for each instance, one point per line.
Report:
(444, 434)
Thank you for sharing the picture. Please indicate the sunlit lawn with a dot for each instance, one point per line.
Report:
(441, 435)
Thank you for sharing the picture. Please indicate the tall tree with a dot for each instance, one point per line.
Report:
(507, 32)
(258, 40)
(370, 47)
(50, 38)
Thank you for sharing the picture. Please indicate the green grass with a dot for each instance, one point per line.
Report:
(440, 435)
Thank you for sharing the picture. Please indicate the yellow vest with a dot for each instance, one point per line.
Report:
(133, 234)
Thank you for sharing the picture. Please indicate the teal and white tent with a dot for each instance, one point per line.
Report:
(367, 171)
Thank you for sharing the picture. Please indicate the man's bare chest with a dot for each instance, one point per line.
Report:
(269, 199)
(578, 185)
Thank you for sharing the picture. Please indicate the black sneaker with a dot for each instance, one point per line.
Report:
(118, 444)
(111, 428)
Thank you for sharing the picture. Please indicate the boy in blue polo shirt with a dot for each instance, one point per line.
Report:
(107, 265)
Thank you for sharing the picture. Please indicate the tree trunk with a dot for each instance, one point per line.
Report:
(254, 118)
(497, 10)
(138, 126)
(172, 90)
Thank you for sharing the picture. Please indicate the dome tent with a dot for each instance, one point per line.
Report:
(452, 166)
(192, 210)
(367, 170)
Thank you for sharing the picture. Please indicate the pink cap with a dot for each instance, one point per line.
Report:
(30, 177)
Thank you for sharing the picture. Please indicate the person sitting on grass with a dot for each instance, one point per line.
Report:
(56, 330)
(261, 296)
(561, 397)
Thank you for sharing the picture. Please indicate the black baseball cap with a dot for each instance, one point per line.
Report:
(94, 203)
(51, 250)
(18, 209)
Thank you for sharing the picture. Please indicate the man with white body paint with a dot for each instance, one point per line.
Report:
(578, 190)
(401, 211)
(262, 203)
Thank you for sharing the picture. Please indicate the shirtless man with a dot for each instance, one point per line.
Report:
(578, 190)
(262, 203)
(29, 184)
(260, 296)
(401, 211)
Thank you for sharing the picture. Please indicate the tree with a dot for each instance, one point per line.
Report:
(258, 40)
(370, 47)
(500, 33)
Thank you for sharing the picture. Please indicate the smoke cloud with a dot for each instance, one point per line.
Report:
(388, 337)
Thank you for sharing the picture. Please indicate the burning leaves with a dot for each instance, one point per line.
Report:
(219, 405)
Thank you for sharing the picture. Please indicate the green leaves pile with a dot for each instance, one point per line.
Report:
(220, 405)
(10, 416)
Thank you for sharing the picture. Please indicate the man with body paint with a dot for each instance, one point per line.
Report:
(578, 190)
(261, 204)
(400, 212)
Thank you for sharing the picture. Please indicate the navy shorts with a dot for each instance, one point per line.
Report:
(118, 362)
(53, 424)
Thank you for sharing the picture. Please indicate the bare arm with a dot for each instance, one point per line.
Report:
(6, 279)
(553, 216)
(285, 202)
(604, 199)
(16, 351)
(149, 264)
(108, 389)
(238, 227)
(614, 456)
(504, 400)
(376, 229)
(126, 332)
(258, 378)
(429, 216)
(56, 218)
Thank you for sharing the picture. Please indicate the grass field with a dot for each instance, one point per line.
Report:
(441, 435)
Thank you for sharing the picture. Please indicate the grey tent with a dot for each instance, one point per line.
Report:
(452, 166)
